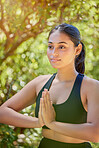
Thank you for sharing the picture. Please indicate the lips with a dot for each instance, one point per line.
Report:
(55, 60)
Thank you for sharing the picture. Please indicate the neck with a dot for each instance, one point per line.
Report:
(66, 74)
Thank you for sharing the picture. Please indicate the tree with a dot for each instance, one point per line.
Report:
(24, 27)
(22, 20)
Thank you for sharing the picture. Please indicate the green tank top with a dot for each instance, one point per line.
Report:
(70, 111)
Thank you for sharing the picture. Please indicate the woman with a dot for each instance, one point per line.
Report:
(66, 102)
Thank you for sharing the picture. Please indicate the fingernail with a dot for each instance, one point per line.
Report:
(41, 99)
(45, 89)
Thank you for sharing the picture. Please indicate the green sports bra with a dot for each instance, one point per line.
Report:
(70, 111)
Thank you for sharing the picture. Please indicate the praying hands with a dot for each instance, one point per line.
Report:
(46, 111)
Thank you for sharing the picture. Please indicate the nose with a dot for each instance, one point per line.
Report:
(55, 51)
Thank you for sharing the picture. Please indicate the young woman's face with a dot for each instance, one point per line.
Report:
(61, 50)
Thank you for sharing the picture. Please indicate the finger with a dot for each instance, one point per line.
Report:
(43, 94)
(40, 109)
(40, 115)
(45, 89)
(51, 102)
(45, 98)
(42, 105)
(47, 95)
(48, 99)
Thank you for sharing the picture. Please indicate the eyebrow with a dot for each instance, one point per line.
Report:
(58, 42)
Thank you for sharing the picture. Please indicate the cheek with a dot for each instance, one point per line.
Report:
(67, 55)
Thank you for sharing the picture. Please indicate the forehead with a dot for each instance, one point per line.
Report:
(57, 37)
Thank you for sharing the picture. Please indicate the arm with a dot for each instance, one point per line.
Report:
(9, 110)
(87, 131)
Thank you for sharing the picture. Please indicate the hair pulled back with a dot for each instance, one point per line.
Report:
(74, 35)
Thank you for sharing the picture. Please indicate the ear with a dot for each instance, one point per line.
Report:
(78, 49)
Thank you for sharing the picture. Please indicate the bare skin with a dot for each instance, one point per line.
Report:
(9, 110)
(61, 57)
(59, 135)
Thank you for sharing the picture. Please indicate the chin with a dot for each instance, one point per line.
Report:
(56, 66)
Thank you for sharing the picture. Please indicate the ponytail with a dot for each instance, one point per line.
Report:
(80, 61)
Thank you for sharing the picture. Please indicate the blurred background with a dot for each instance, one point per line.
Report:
(24, 28)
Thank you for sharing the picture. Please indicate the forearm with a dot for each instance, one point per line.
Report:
(85, 131)
(11, 117)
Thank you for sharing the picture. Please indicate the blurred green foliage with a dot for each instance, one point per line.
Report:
(7, 136)
(24, 27)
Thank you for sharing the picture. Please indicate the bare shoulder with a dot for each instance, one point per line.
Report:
(90, 82)
(40, 81)
(91, 87)
(41, 78)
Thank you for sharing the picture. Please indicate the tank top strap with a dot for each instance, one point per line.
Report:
(47, 86)
(49, 82)
(77, 85)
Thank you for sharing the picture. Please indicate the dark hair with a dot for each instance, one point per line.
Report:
(74, 35)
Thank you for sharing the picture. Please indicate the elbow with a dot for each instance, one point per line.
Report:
(2, 113)
(95, 139)
(95, 134)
